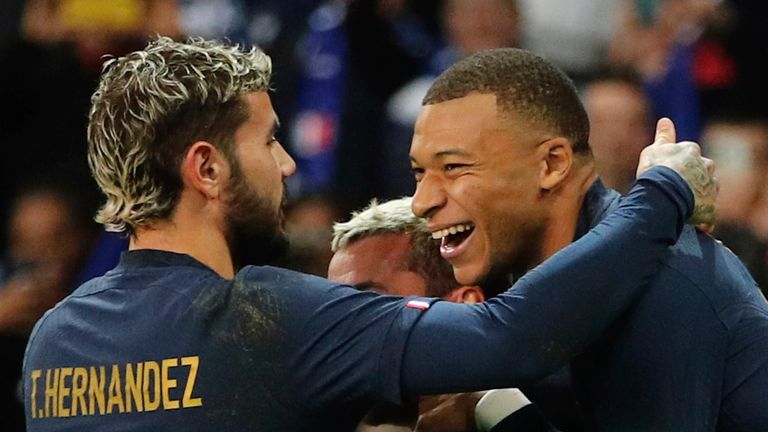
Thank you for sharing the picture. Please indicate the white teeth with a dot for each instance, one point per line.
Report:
(451, 230)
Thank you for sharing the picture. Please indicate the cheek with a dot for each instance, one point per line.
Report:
(507, 216)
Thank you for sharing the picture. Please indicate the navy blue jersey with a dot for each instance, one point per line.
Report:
(690, 355)
(163, 343)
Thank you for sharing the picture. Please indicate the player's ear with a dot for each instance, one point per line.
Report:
(466, 294)
(556, 162)
(204, 169)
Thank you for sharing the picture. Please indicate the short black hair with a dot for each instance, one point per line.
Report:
(524, 84)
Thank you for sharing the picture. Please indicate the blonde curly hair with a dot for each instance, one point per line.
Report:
(150, 106)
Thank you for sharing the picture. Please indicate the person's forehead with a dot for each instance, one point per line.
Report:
(474, 111)
(380, 261)
(390, 246)
(454, 126)
(473, 126)
(369, 256)
(260, 110)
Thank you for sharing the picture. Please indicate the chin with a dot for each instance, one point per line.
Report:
(468, 275)
(497, 278)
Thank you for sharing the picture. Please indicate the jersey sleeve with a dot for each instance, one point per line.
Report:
(554, 311)
(337, 346)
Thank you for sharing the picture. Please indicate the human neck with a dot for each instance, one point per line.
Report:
(190, 235)
(564, 209)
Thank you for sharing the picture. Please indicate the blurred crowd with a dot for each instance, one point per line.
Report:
(349, 78)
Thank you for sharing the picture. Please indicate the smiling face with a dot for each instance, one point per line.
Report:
(478, 184)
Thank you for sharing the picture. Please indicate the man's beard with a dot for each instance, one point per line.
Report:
(254, 228)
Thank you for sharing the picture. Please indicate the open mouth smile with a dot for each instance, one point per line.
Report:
(453, 238)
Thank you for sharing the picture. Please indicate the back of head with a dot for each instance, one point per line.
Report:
(150, 106)
(396, 217)
(526, 87)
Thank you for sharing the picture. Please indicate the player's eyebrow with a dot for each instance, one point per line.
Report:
(451, 152)
(446, 153)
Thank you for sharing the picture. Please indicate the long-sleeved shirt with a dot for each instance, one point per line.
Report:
(164, 343)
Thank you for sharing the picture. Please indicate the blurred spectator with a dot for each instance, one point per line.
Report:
(399, 34)
(658, 39)
(388, 44)
(759, 218)
(44, 96)
(314, 130)
(49, 73)
(697, 57)
(219, 19)
(647, 31)
(751, 250)
(51, 233)
(96, 27)
(335, 129)
(258, 22)
(739, 147)
(308, 226)
(730, 58)
(621, 125)
(574, 35)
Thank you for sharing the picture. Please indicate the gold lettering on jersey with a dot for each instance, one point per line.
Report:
(133, 387)
(189, 401)
(151, 370)
(169, 384)
(166, 384)
(51, 389)
(115, 394)
(33, 401)
(63, 391)
(96, 385)
(79, 386)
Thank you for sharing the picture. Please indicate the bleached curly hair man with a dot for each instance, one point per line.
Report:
(151, 103)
